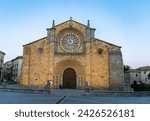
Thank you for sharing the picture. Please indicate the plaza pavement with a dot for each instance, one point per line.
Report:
(14, 94)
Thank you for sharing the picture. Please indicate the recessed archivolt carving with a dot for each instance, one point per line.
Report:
(76, 65)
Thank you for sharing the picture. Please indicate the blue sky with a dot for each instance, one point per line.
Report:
(122, 22)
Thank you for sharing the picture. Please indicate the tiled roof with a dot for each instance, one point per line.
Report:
(144, 68)
(134, 70)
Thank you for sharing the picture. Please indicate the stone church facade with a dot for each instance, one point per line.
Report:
(71, 56)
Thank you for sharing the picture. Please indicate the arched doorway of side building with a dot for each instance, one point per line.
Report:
(69, 78)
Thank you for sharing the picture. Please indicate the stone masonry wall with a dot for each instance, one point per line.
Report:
(36, 62)
(116, 70)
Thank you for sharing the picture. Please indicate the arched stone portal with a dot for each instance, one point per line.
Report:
(69, 78)
(69, 67)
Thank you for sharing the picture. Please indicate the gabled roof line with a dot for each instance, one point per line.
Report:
(34, 41)
(108, 42)
(72, 21)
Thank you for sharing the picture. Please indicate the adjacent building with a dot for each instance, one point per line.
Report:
(7, 71)
(12, 69)
(145, 74)
(2, 54)
(71, 56)
(135, 75)
(17, 68)
(139, 75)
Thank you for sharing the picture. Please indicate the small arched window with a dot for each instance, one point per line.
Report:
(40, 51)
(100, 51)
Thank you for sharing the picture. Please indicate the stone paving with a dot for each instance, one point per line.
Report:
(46, 98)
(13, 94)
